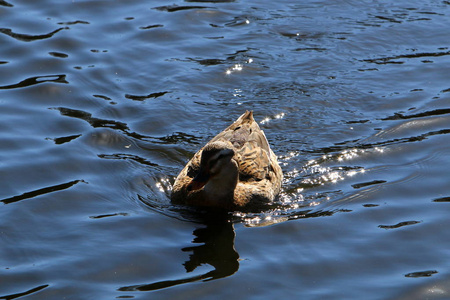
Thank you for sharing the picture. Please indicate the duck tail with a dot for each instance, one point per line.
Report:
(247, 116)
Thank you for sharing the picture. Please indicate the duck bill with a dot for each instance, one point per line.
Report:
(198, 182)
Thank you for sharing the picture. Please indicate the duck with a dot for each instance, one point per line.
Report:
(235, 170)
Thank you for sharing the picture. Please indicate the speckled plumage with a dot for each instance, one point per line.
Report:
(257, 179)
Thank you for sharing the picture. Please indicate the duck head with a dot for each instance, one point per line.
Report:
(216, 166)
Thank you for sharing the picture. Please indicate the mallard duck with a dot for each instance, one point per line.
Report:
(235, 170)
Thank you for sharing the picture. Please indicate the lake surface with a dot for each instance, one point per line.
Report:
(103, 102)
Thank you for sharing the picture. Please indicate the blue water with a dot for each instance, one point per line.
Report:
(104, 102)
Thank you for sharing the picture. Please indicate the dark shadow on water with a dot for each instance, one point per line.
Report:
(213, 245)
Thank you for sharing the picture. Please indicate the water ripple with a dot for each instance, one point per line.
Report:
(353, 96)
(29, 37)
(74, 22)
(26, 293)
(123, 156)
(142, 98)
(421, 274)
(364, 184)
(4, 3)
(394, 59)
(36, 80)
(65, 139)
(174, 8)
(398, 225)
(42, 191)
(436, 112)
(442, 199)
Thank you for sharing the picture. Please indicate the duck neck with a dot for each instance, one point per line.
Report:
(220, 188)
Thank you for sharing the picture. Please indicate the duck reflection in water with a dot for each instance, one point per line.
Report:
(216, 250)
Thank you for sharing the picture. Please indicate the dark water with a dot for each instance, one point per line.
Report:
(103, 102)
